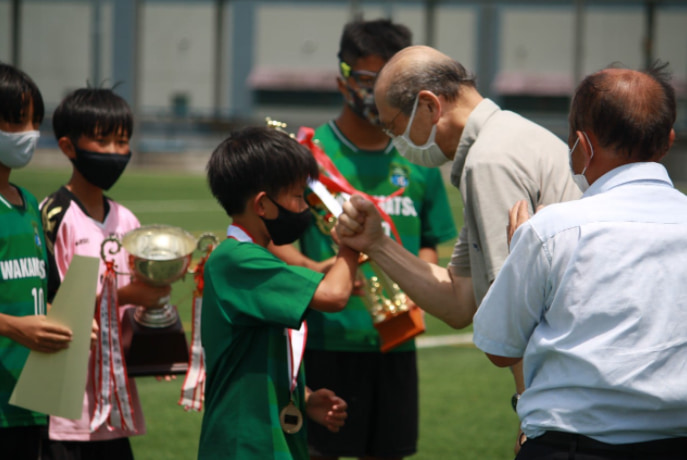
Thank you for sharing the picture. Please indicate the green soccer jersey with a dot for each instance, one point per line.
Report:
(250, 297)
(421, 215)
(23, 289)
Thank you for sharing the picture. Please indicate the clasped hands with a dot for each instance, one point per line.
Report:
(360, 225)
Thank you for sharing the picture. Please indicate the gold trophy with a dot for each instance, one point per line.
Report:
(153, 339)
(395, 319)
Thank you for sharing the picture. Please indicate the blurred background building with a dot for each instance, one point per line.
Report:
(193, 68)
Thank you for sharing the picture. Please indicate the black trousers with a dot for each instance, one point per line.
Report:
(555, 445)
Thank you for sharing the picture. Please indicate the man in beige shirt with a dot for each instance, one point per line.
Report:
(429, 105)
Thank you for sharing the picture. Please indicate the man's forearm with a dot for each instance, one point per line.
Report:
(430, 286)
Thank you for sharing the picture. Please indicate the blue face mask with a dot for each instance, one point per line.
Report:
(16, 149)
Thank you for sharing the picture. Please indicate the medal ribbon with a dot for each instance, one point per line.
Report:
(193, 389)
(295, 342)
(112, 401)
(295, 339)
(337, 183)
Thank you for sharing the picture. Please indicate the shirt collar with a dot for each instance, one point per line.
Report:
(477, 119)
(628, 173)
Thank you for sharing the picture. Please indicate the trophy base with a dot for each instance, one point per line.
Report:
(400, 328)
(153, 350)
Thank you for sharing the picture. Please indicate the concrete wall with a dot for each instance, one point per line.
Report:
(182, 58)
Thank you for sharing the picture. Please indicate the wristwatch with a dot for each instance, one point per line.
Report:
(514, 401)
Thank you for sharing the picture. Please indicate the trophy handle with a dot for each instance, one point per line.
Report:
(206, 241)
(112, 251)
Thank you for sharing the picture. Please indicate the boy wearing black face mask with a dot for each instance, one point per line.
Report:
(93, 128)
(254, 304)
(23, 324)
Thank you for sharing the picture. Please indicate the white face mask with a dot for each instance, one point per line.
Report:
(16, 149)
(429, 154)
(580, 179)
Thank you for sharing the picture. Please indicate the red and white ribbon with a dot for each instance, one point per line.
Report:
(193, 389)
(337, 183)
(113, 406)
(295, 343)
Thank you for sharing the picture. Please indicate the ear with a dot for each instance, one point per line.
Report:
(258, 203)
(67, 147)
(433, 104)
(586, 145)
(341, 85)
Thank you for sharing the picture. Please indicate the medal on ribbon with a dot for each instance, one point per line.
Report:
(290, 417)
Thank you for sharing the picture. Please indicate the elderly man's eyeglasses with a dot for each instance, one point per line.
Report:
(387, 127)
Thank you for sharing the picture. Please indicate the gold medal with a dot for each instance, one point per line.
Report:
(290, 418)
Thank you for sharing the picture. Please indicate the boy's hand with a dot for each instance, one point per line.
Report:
(327, 409)
(94, 333)
(37, 333)
(139, 293)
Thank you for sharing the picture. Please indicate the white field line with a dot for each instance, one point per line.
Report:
(167, 206)
(443, 340)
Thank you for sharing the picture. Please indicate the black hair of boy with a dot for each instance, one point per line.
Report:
(256, 159)
(92, 112)
(380, 37)
(15, 86)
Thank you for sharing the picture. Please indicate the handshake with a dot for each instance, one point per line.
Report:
(360, 226)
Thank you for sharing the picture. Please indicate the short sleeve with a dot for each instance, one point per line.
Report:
(516, 301)
(253, 287)
(437, 219)
(492, 189)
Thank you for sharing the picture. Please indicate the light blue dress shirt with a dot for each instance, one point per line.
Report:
(593, 296)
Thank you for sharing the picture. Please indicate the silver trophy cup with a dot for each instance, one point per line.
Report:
(153, 339)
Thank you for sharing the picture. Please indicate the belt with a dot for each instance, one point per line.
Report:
(581, 443)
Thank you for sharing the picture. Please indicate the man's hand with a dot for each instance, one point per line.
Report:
(327, 409)
(36, 333)
(517, 216)
(360, 225)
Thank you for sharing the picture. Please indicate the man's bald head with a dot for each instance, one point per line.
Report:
(418, 68)
(629, 111)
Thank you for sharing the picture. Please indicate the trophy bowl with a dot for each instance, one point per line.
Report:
(158, 255)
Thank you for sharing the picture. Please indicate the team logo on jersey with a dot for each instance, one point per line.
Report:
(399, 175)
(36, 236)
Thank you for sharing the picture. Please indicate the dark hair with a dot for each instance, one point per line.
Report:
(90, 112)
(380, 37)
(443, 77)
(254, 159)
(625, 113)
(17, 91)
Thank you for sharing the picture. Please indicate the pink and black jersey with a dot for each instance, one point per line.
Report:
(69, 231)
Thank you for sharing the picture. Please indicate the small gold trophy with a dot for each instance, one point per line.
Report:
(395, 319)
(153, 339)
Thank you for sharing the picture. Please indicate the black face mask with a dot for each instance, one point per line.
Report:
(288, 226)
(100, 169)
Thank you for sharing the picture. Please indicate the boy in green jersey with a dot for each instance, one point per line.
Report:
(23, 264)
(344, 350)
(254, 304)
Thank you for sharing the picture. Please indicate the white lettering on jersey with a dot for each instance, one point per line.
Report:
(398, 206)
(27, 267)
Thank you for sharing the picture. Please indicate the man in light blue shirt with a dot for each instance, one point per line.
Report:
(592, 296)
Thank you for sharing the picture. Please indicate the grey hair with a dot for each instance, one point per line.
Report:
(443, 78)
